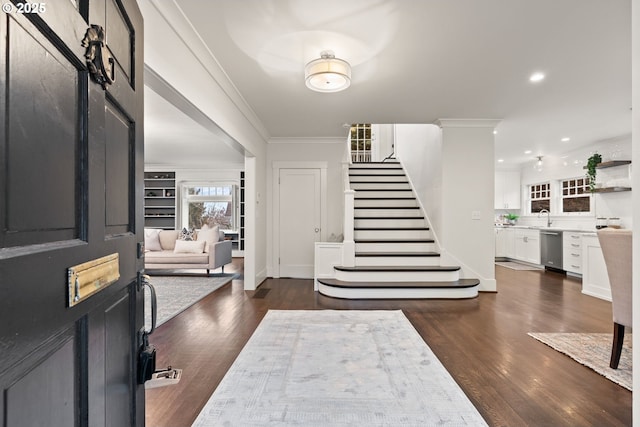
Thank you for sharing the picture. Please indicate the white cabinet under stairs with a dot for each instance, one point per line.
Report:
(395, 254)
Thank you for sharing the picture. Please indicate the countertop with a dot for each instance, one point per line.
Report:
(537, 227)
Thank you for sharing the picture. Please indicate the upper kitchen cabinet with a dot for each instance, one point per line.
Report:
(507, 190)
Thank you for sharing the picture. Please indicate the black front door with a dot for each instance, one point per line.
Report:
(71, 162)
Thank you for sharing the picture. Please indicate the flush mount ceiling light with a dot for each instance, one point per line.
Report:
(328, 73)
(536, 77)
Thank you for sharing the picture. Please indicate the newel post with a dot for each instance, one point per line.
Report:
(349, 246)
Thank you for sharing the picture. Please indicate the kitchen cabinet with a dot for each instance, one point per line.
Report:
(595, 280)
(500, 242)
(527, 245)
(507, 190)
(505, 242)
(572, 252)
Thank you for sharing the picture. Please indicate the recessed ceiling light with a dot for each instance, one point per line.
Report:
(528, 152)
(565, 139)
(536, 77)
(500, 160)
(495, 132)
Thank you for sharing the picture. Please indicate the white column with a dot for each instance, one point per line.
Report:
(468, 173)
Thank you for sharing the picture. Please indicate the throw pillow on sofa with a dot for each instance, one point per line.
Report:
(187, 234)
(152, 239)
(209, 236)
(189, 247)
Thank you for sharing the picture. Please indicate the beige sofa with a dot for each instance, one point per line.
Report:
(165, 250)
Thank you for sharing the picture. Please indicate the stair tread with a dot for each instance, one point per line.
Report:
(388, 217)
(395, 268)
(397, 254)
(377, 174)
(460, 283)
(390, 228)
(387, 207)
(394, 241)
(385, 198)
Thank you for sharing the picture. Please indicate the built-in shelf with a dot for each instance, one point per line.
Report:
(160, 200)
(611, 189)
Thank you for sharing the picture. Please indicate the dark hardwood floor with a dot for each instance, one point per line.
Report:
(511, 378)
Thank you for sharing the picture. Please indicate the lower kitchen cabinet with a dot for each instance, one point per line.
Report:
(595, 280)
(572, 252)
(527, 245)
(505, 242)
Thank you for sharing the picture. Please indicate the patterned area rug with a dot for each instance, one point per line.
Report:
(516, 265)
(177, 293)
(337, 368)
(593, 351)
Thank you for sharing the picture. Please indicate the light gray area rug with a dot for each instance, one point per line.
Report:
(177, 293)
(337, 368)
(516, 265)
(593, 351)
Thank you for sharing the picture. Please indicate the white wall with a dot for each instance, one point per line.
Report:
(330, 151)
(570, 165)
(452, 172)
(636, 197)
(172, 49)
(419, 147)
(468, 185)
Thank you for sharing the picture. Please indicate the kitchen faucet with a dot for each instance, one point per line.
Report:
(549, 222)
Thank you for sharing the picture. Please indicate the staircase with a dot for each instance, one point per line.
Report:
(395, 255)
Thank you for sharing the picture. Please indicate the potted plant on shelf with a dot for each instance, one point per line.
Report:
(592, 162)
(511, 218)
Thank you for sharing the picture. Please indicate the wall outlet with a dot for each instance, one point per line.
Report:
(475, 215)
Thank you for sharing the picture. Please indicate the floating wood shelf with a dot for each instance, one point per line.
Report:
(611, 189)
(611, 163)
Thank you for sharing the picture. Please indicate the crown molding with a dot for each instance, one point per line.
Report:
(184, 30)
(467, 123)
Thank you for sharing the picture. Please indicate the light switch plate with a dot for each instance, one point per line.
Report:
(475, 215)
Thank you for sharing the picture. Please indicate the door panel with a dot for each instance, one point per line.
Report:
(33, 181)
(71, 166)
(119, 190)
(52, 380)
(299, 221)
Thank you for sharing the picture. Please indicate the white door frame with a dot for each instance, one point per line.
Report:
(276, 166)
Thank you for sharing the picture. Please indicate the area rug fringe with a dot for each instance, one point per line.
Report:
(593, 350)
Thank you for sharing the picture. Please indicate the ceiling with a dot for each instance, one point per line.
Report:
(418, 61)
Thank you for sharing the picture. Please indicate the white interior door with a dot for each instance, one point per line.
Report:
(299, 225)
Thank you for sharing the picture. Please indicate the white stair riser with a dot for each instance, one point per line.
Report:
(404, 293)
(395, 247)
(398, 276)
(386, 202)
(400, 223)
(380, 185)
(383, 194)
(397, 261)
(394, 178)
(391, 213)
(391, 234)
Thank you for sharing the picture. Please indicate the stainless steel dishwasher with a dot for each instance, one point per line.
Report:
(551, 249)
